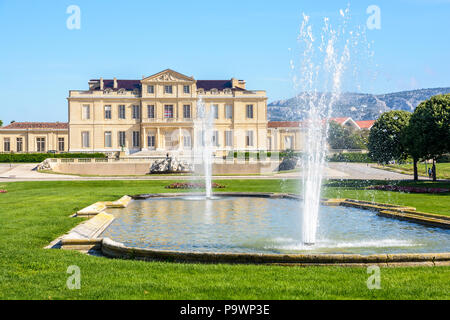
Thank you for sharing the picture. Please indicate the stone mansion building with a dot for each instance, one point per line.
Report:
(156, 115)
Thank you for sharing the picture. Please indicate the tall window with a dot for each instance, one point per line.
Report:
(108, 142)
(228, 138)
(122, 138)
(151, 89)
(85, 139)
(288, 142)
(168, 111)
(249, 111)
(61, 144)
(86, 113)
(19, 146)
(107, 112)
(168, 89)
(151, 141)
(136, 139)
(151, 111)
(215, 111)
(187, 141)
(6, 145)
(229, 111)
(201, 138)
(249, 138)
(40, 144)
(136, 113)
(215, 138)
(186, 89)
(187, 111)
(121, 111)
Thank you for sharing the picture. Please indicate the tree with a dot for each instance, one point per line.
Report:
(343, 138)
(1, 123)
(386, 137)
(428, 132)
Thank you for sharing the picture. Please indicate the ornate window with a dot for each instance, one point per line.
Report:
(168, 111)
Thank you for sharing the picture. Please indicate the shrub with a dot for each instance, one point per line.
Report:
(445, 158)
(350, 157)
(190, 185)
(39, 157)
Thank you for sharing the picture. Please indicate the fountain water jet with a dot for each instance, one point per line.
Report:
(205, 130)
(320, 67)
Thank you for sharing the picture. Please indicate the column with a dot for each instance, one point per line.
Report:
(158, 139)
(144, 145)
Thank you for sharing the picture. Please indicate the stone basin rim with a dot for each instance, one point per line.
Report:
(115, 249)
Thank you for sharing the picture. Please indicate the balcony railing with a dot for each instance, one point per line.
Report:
(166, 120)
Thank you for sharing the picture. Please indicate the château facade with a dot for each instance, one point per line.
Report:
(159, 114)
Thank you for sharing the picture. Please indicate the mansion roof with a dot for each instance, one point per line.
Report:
(131, 85)
(37, 125)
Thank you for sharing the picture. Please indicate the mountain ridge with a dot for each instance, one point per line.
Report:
(359, 106)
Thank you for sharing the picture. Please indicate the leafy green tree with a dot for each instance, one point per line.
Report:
(1, 123)
(428, 132)
(386, 137)
(343, 138)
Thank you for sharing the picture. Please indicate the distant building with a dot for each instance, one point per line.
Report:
(289, 135)
(34, 137)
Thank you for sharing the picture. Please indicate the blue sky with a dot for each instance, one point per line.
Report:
(41, 60)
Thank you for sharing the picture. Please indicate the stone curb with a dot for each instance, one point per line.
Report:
(114, 249)
(98, 207)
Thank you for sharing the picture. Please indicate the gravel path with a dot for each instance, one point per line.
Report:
(335, 170)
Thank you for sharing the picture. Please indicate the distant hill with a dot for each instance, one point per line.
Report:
(359, 106)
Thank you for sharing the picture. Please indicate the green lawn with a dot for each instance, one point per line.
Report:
(34, 213)
(442, 169)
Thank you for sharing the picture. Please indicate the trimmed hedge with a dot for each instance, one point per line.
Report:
(39, 157)
(444, 158)
(256, 154)
(350, 157)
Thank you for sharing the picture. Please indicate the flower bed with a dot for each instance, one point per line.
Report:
(3, 191)
(409, 189)
(189, 185)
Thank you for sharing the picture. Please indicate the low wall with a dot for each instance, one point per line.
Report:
(118, 168)
(103, 169)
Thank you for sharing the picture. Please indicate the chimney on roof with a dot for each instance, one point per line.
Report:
(115, 83)
(102, 86)
(235, 83)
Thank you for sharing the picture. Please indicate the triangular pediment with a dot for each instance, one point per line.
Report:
(168, 75)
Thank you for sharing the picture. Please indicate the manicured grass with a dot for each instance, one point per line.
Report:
(34, 213)
(442, 169)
